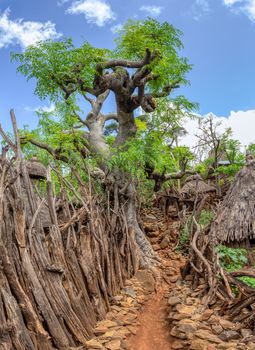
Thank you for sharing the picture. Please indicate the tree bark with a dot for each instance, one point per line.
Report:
(148, 258)
(127, 127)
(97, 139)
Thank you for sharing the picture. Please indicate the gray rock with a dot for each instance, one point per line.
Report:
(229, 335)
(129, 291)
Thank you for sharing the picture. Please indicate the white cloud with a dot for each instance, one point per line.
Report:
(116, 28)
(95, 11)
(231, 2)
(245, 6)
(24, 33)
(62, 2)
(152, 10)
(204, 4)
(200, 8)
(47, 109)
(242, 124)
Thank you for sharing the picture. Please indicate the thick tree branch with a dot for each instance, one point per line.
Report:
(54, 152)
(179, 175)
(96, 107)
(125, 63)
(160, 178)
(110, 116)
(149, 77)
(140, 94)
(139, 75)
(167, 90)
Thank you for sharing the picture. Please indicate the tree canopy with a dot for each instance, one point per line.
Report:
(141, 72)
(148, 49)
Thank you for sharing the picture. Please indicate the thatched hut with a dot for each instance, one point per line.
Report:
(195, 185)
(235, 220)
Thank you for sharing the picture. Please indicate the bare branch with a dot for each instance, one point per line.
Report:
(54, 152)
(7, 138)
(90, 100)
(80, 119)
(241, 273)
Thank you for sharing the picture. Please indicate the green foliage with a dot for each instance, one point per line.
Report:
(232, 150)
(158, 133)
(251, 149)
(235, 157)
(163, 40)
(59, 66)
(203, 166)
(231, 170)
(250, 281)
(235, 259)
(130, 158)
(169, 117)
(149, 148)
(183, 156)
(54, 63)
(184, 236)
(232, 258)
(206, 217)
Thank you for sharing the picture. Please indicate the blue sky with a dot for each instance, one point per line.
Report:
(218, 37)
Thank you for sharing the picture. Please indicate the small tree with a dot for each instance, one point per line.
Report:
(211, 141)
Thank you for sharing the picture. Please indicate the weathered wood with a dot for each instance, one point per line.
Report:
(57, 281)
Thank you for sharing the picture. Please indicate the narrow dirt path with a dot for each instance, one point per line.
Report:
(153, 332)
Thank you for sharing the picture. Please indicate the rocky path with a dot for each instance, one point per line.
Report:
(153, 332)
(158, 311)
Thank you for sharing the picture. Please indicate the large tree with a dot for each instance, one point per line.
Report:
(145, 66)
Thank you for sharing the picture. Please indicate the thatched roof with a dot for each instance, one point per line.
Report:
(194, 184)
(36, 169)
(235, 220)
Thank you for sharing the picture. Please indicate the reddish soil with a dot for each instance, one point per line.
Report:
(153, 332)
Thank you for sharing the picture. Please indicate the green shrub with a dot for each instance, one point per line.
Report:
(250, 281)
(183, 240)
(232, 258)
(206, 217)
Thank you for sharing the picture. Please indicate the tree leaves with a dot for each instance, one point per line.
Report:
(164, 42)
(58, 64)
